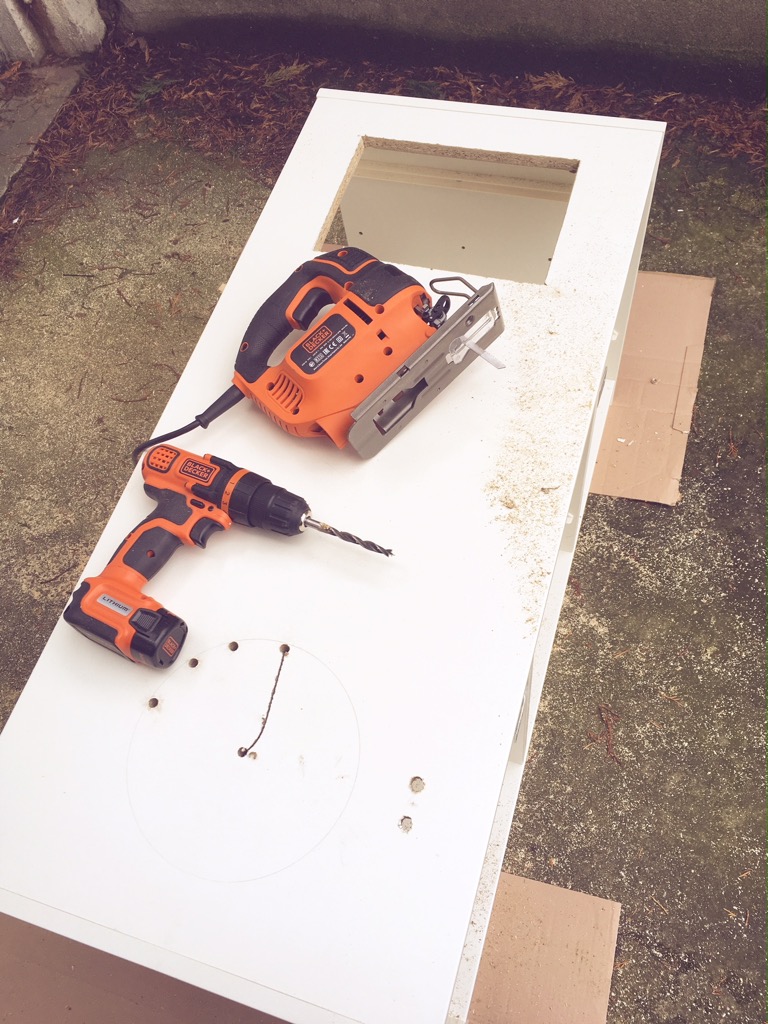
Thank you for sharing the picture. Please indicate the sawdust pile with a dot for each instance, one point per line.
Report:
(255, 107)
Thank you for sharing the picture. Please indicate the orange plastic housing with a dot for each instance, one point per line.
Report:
(338, 362)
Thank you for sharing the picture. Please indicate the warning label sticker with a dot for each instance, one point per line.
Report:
(323, 343)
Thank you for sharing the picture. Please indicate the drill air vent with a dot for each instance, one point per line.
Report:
(161, 458)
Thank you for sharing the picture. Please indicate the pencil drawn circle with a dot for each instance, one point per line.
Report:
(203, 805)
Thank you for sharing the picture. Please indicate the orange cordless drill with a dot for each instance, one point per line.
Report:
(196, 496)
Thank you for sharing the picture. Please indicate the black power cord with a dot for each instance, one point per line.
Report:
(223, 403)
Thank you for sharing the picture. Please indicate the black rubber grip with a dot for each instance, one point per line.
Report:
(149, 546)
(379, 282)
(150, 550)
(276, 318)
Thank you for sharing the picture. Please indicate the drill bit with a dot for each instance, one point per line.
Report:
(350, 538)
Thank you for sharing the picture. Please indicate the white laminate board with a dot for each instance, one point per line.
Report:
(423, 657)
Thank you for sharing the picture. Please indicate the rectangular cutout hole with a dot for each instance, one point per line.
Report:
(497, 215)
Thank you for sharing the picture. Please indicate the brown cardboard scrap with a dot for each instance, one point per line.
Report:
(646, 433)
(548, 959)
(548, 956)
(46, 977)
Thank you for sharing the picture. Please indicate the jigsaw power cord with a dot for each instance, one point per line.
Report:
(222, 404)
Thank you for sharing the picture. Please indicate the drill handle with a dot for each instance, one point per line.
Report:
(295, 304)
(176, 519)
(111, 608)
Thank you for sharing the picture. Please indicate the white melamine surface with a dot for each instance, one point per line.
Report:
(291, 881)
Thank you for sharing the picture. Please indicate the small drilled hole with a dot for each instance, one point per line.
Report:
(193, 662)
(359, 378)
(244, 347)
(234, 645)
(152, 702)
(387, 351)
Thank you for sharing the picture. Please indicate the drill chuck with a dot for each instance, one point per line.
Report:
(255, 501)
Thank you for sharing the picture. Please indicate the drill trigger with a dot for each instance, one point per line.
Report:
(202, 530)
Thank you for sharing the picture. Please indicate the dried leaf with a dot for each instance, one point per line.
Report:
(552, 80)
(222, 103)
(286, 73)
(11, 72)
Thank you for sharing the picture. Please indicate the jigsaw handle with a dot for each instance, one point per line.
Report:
(295, 304)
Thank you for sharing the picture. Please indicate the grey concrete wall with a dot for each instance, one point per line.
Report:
(70, 27)
(29, 29)
(730, 34)
(19, 39)
(710, 30)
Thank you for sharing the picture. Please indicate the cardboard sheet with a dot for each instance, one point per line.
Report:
(643, 448)
(48, 978)
(548, 957)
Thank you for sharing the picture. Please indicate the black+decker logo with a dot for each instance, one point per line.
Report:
(317, 338)
(171, 646)
(201, 471)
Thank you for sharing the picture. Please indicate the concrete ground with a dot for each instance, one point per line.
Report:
(114, 241)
